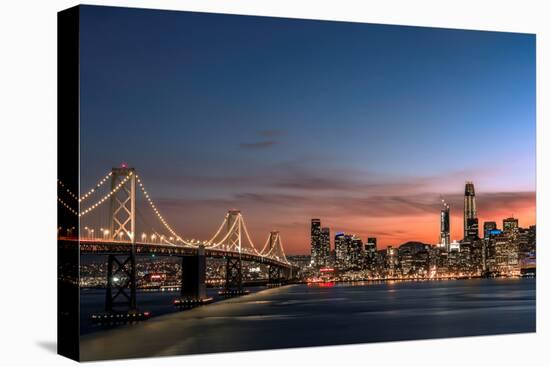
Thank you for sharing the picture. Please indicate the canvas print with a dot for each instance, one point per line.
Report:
(237, 183)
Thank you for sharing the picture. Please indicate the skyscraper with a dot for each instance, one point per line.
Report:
(445, 227)
(316, 242)
(510, 224)
(488, 227)
(470, 212)
(340, 248)
(355, 248)
(325, 246)
(370, 246)
(370, 252)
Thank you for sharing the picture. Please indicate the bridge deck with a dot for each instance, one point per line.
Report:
(162, 249)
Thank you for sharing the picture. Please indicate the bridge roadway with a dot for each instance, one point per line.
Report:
(112, 247)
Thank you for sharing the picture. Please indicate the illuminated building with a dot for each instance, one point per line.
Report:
(325, 246)
(487, 228)
(445, 226)
(355, 253)
(349, 251)
(471, 229)
(316, 250)
(392, 261)
(454, 246)
(340, 248)
(506, 254)
(510, 224)
(414, 258)
(370, 253)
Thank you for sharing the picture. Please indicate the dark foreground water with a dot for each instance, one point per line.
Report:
(156, 302)
(301, 315)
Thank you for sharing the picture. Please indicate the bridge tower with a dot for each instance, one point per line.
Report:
(121, 269)
(274, 271)
(233, 266)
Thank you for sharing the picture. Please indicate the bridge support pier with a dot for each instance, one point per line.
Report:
(233, 278)
(120, 295)
(193, 280)
(121, 282)
(274, 276)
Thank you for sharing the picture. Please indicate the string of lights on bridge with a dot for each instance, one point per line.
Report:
(232, 240)
(104, 198)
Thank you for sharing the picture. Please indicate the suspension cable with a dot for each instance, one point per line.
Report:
(157, 213)
(97, 186)
(220, 229)
(229, 232)
(71, 194)
(248, 237)
(107, 196)
(67, 206)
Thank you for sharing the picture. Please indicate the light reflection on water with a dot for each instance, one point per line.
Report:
(301, 315)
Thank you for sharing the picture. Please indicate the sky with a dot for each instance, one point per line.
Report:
(364, 126)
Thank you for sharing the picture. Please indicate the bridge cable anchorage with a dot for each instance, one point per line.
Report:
(159, 216)
(107, 196)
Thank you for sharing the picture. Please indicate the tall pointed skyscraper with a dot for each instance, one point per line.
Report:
(445, 227)
(471, 230)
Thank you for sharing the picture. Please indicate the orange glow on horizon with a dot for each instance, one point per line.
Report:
(394, 231)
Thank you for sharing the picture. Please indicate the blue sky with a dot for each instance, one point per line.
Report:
(257, 111)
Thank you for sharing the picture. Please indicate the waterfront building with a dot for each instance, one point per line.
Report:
(506, 254)
(349, 252)
(391, 261)
(325, 246)
(414, 258)
(340, 249)
(370, 253)
(439, 261)
(355, 253)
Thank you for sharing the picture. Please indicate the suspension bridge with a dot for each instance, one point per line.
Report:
(110, 219)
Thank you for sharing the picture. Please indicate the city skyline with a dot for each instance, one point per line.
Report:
(366, 126)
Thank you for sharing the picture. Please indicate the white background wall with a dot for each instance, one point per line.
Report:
(28, 180)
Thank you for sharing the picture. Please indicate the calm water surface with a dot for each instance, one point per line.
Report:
(301, 315)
